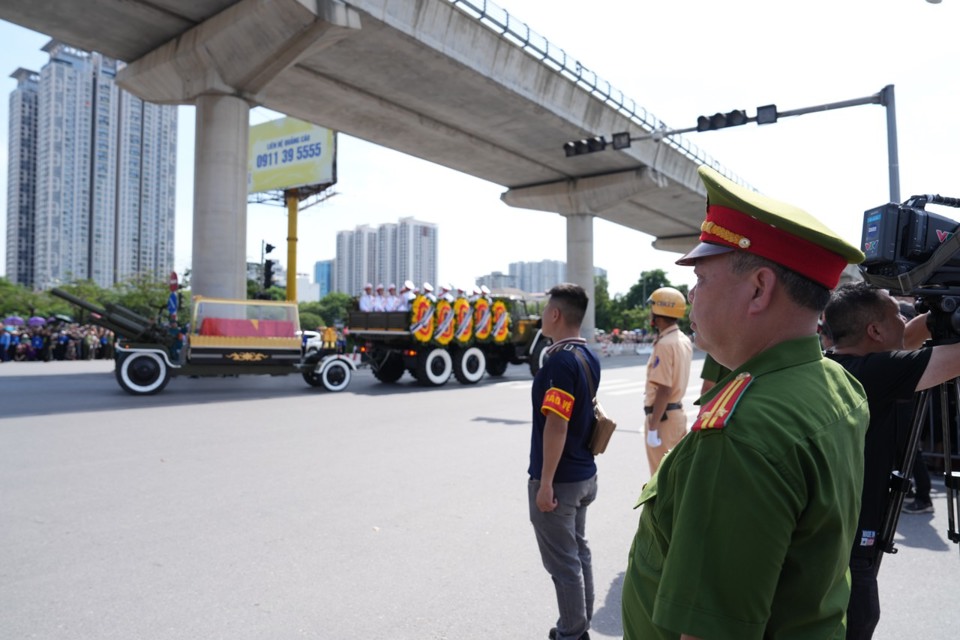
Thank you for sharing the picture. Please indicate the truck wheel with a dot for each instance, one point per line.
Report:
(469, 365)
(434, 367)
(142, 374)
(496, 366)
(391, 369)
(538, 357)
(336, 375)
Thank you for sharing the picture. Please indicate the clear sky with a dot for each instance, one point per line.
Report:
(678, 59)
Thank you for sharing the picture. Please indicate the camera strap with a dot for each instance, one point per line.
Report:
(912, 279)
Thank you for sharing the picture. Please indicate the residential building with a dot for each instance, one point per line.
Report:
(391, 253)
(537, 277)
(22, 176)
(104, 172)
(417, 251)
(498, 281)
(323, 275)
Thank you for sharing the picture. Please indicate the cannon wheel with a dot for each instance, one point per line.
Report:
(143, 374)
(434, 367)
(469, 365)
(336, 375)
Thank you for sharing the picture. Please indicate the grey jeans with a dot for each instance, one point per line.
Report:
(565, 552)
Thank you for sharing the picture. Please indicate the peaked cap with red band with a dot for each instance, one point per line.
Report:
(739, 219)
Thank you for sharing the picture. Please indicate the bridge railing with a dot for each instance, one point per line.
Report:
(500, 21)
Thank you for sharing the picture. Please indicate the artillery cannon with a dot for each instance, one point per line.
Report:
(122, 321)
(226, 337)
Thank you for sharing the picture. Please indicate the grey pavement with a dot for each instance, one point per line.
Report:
(259, 507)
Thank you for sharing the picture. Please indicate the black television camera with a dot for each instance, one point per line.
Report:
(913, 252)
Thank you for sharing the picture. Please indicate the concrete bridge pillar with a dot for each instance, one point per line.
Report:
(220, 196)
(580, 263)
(223, 65)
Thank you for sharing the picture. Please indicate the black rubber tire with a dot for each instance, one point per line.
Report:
(496, 367)
(391, 369)
(434, 367)
(312, 378)
(469, 365)
(142, 374)
(336, 375)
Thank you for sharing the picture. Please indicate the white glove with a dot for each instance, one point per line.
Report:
(653, 438)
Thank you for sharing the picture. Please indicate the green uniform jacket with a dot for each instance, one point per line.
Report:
(746, 529)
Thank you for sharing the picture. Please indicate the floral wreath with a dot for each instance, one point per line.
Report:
(463, 317)
(443, 333)
(422, 319)
(501, 322)
(482, 320)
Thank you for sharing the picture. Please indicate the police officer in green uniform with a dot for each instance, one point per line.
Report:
(746, 527)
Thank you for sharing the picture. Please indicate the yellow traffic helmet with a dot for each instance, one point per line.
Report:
(667, 301)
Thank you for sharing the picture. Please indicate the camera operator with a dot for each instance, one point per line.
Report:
(870, 336)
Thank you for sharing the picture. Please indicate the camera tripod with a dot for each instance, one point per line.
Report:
(900, 477)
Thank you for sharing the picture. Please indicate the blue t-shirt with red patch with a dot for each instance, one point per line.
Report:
(561, 387)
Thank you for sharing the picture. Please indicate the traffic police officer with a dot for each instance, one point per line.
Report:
(668, 374)
(747, 526)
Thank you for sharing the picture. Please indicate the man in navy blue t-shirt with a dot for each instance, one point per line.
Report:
(563, 475)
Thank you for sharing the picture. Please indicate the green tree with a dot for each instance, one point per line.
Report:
(310, 321)
(630, 310)
(253, 289)
(145, 295)
(649, 282)
(16, 300)
(335, 307)
(603, 307)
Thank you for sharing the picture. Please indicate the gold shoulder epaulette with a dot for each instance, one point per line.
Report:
(714, 414)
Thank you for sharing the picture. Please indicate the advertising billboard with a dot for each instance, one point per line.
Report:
(289, 153)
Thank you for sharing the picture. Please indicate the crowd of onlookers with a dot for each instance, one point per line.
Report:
(55, 342)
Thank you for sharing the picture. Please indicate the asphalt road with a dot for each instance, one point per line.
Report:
(258, 507)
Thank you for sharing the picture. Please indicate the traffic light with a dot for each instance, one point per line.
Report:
(767, 114)
(587, 145)
(733, 118)
(621, 140)
(268, 273)
(268, 248)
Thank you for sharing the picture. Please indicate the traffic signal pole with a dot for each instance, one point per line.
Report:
(766, 114)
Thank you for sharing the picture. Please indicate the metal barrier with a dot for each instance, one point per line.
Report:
(519, 33)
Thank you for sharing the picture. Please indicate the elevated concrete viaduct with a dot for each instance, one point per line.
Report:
(455, 82)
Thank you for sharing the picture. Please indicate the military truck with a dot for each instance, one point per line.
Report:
(437, 339)
(226, 337)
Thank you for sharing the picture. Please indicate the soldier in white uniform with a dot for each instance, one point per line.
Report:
(392, 299)
(428, 292)
(379, 300)
(407, 296)
(366, 299)
(445, 293)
